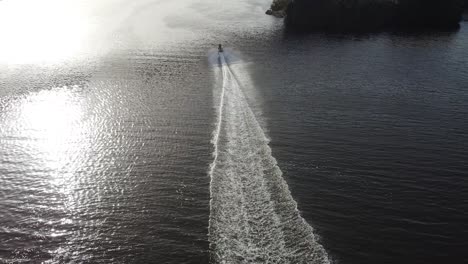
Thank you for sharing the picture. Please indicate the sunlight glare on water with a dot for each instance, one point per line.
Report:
(40, 31)
(52, 120)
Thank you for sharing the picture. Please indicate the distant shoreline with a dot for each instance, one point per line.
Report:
(369, 15)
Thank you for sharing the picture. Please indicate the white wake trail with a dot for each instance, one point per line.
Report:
(253, 217)
(215, 139)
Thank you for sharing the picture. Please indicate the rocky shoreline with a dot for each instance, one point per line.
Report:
(278, 8)
(278, 14)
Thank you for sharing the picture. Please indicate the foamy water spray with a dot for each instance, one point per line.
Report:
(253, 217)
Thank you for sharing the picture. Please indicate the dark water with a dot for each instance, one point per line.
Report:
(371, 135)
(105, 150)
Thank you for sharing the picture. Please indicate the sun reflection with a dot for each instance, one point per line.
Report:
(52, 121)
(39, 31)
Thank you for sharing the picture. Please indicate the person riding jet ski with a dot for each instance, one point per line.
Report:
(220, 48)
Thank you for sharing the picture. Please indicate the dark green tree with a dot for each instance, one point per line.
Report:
(430, 13)
(371, 15)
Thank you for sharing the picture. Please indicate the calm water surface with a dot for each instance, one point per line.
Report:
(107, 120)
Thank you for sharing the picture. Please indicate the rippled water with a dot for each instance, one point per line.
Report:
(370, 132)
(110, 169)
(107, 122)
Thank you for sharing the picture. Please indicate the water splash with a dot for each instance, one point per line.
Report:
(253, 217)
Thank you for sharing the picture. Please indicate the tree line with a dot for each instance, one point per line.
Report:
(371, 15)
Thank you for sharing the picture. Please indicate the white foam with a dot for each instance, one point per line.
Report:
(253, 217)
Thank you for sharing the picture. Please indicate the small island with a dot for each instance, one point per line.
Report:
(369, 15)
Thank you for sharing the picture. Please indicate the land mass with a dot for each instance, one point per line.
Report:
(369, 15)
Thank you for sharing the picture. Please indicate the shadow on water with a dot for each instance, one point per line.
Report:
(292, 34)
(358, 123)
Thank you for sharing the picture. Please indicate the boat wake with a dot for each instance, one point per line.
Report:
(253, 217)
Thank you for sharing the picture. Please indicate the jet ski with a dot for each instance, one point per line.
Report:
(220, 48)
